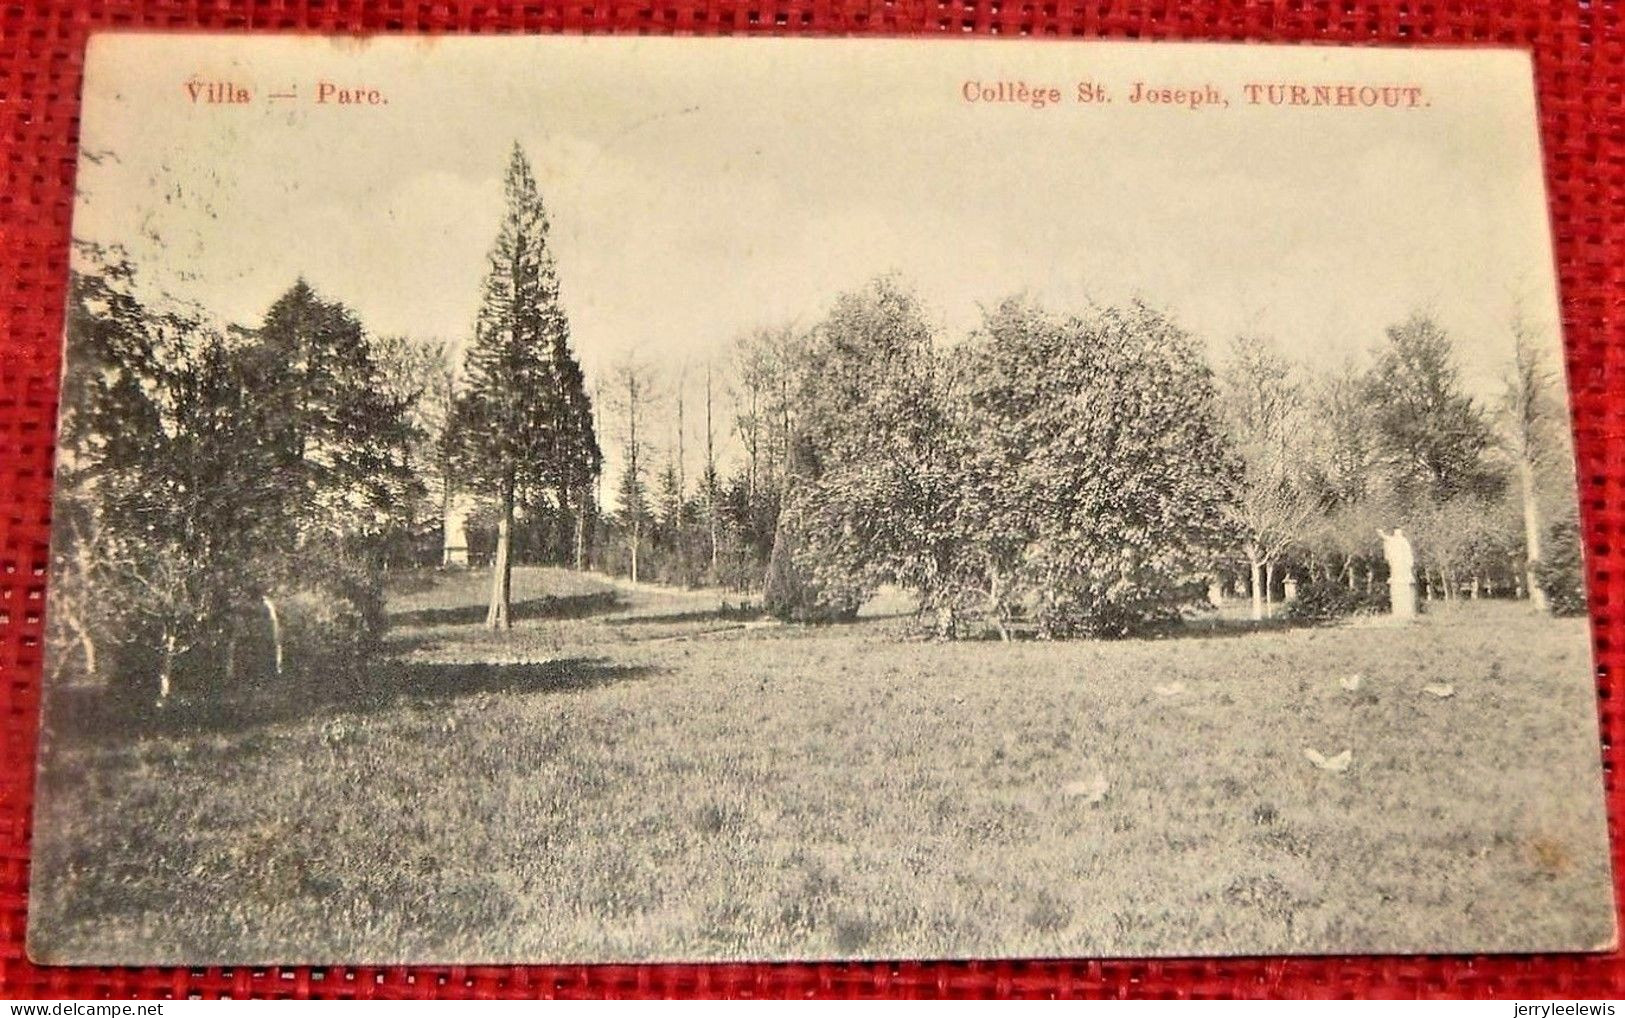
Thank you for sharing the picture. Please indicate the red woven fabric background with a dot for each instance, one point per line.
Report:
(1580, 61)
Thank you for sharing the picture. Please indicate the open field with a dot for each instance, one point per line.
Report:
(637, 774)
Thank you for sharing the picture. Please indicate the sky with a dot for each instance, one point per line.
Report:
(699, 188)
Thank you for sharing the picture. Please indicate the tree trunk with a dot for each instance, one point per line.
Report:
(81, 635)
(636, 535)
(995, 604)
(581, 534)
(1269, 589)
(1257, 566)
(88, 645)
(498, 616)
(1531, 532)
(276, 632)
(166, 669)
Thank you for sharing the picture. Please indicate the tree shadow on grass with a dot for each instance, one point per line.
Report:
(726, 613)
(1208, 627)
(1205, 627)
(571, 606)
(82, 714)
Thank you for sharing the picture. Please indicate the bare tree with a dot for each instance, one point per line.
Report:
(1263, 403)
(752, 377)
(682, 457)
(1272, 517)
(1528, 412)
(764, 368)
(633, 386)
(710, 472)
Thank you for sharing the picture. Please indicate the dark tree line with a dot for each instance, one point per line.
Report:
(231, 498)
(226, 496)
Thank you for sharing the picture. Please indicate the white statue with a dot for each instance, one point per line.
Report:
(1396, 548)
(456, 532)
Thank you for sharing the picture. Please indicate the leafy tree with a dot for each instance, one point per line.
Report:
(420, 377)
(1341, 458)
(524, 418)
(168, 483)
(1561, 572)
(1345, 541)
(1105, 471)
(1007, 391)
(1430, 434)
(864, 489)
(1447, 536)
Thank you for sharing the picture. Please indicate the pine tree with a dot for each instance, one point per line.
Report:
(633, 392)
(635, 516)
(709, 479)
(525, 418)
(337, 424)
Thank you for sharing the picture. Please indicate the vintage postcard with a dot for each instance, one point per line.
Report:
(601, 499)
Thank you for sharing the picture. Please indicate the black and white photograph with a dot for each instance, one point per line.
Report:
(601, 499)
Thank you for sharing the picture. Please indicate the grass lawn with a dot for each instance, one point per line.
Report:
(635, 774)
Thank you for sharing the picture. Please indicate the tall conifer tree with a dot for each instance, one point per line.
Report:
(337, 424)
(525, 418)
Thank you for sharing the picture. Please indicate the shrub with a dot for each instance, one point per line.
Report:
(1325, 600)
(800, 588)
(330, 611)
(1111, 608)
(1561, 570)
(324, 610)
